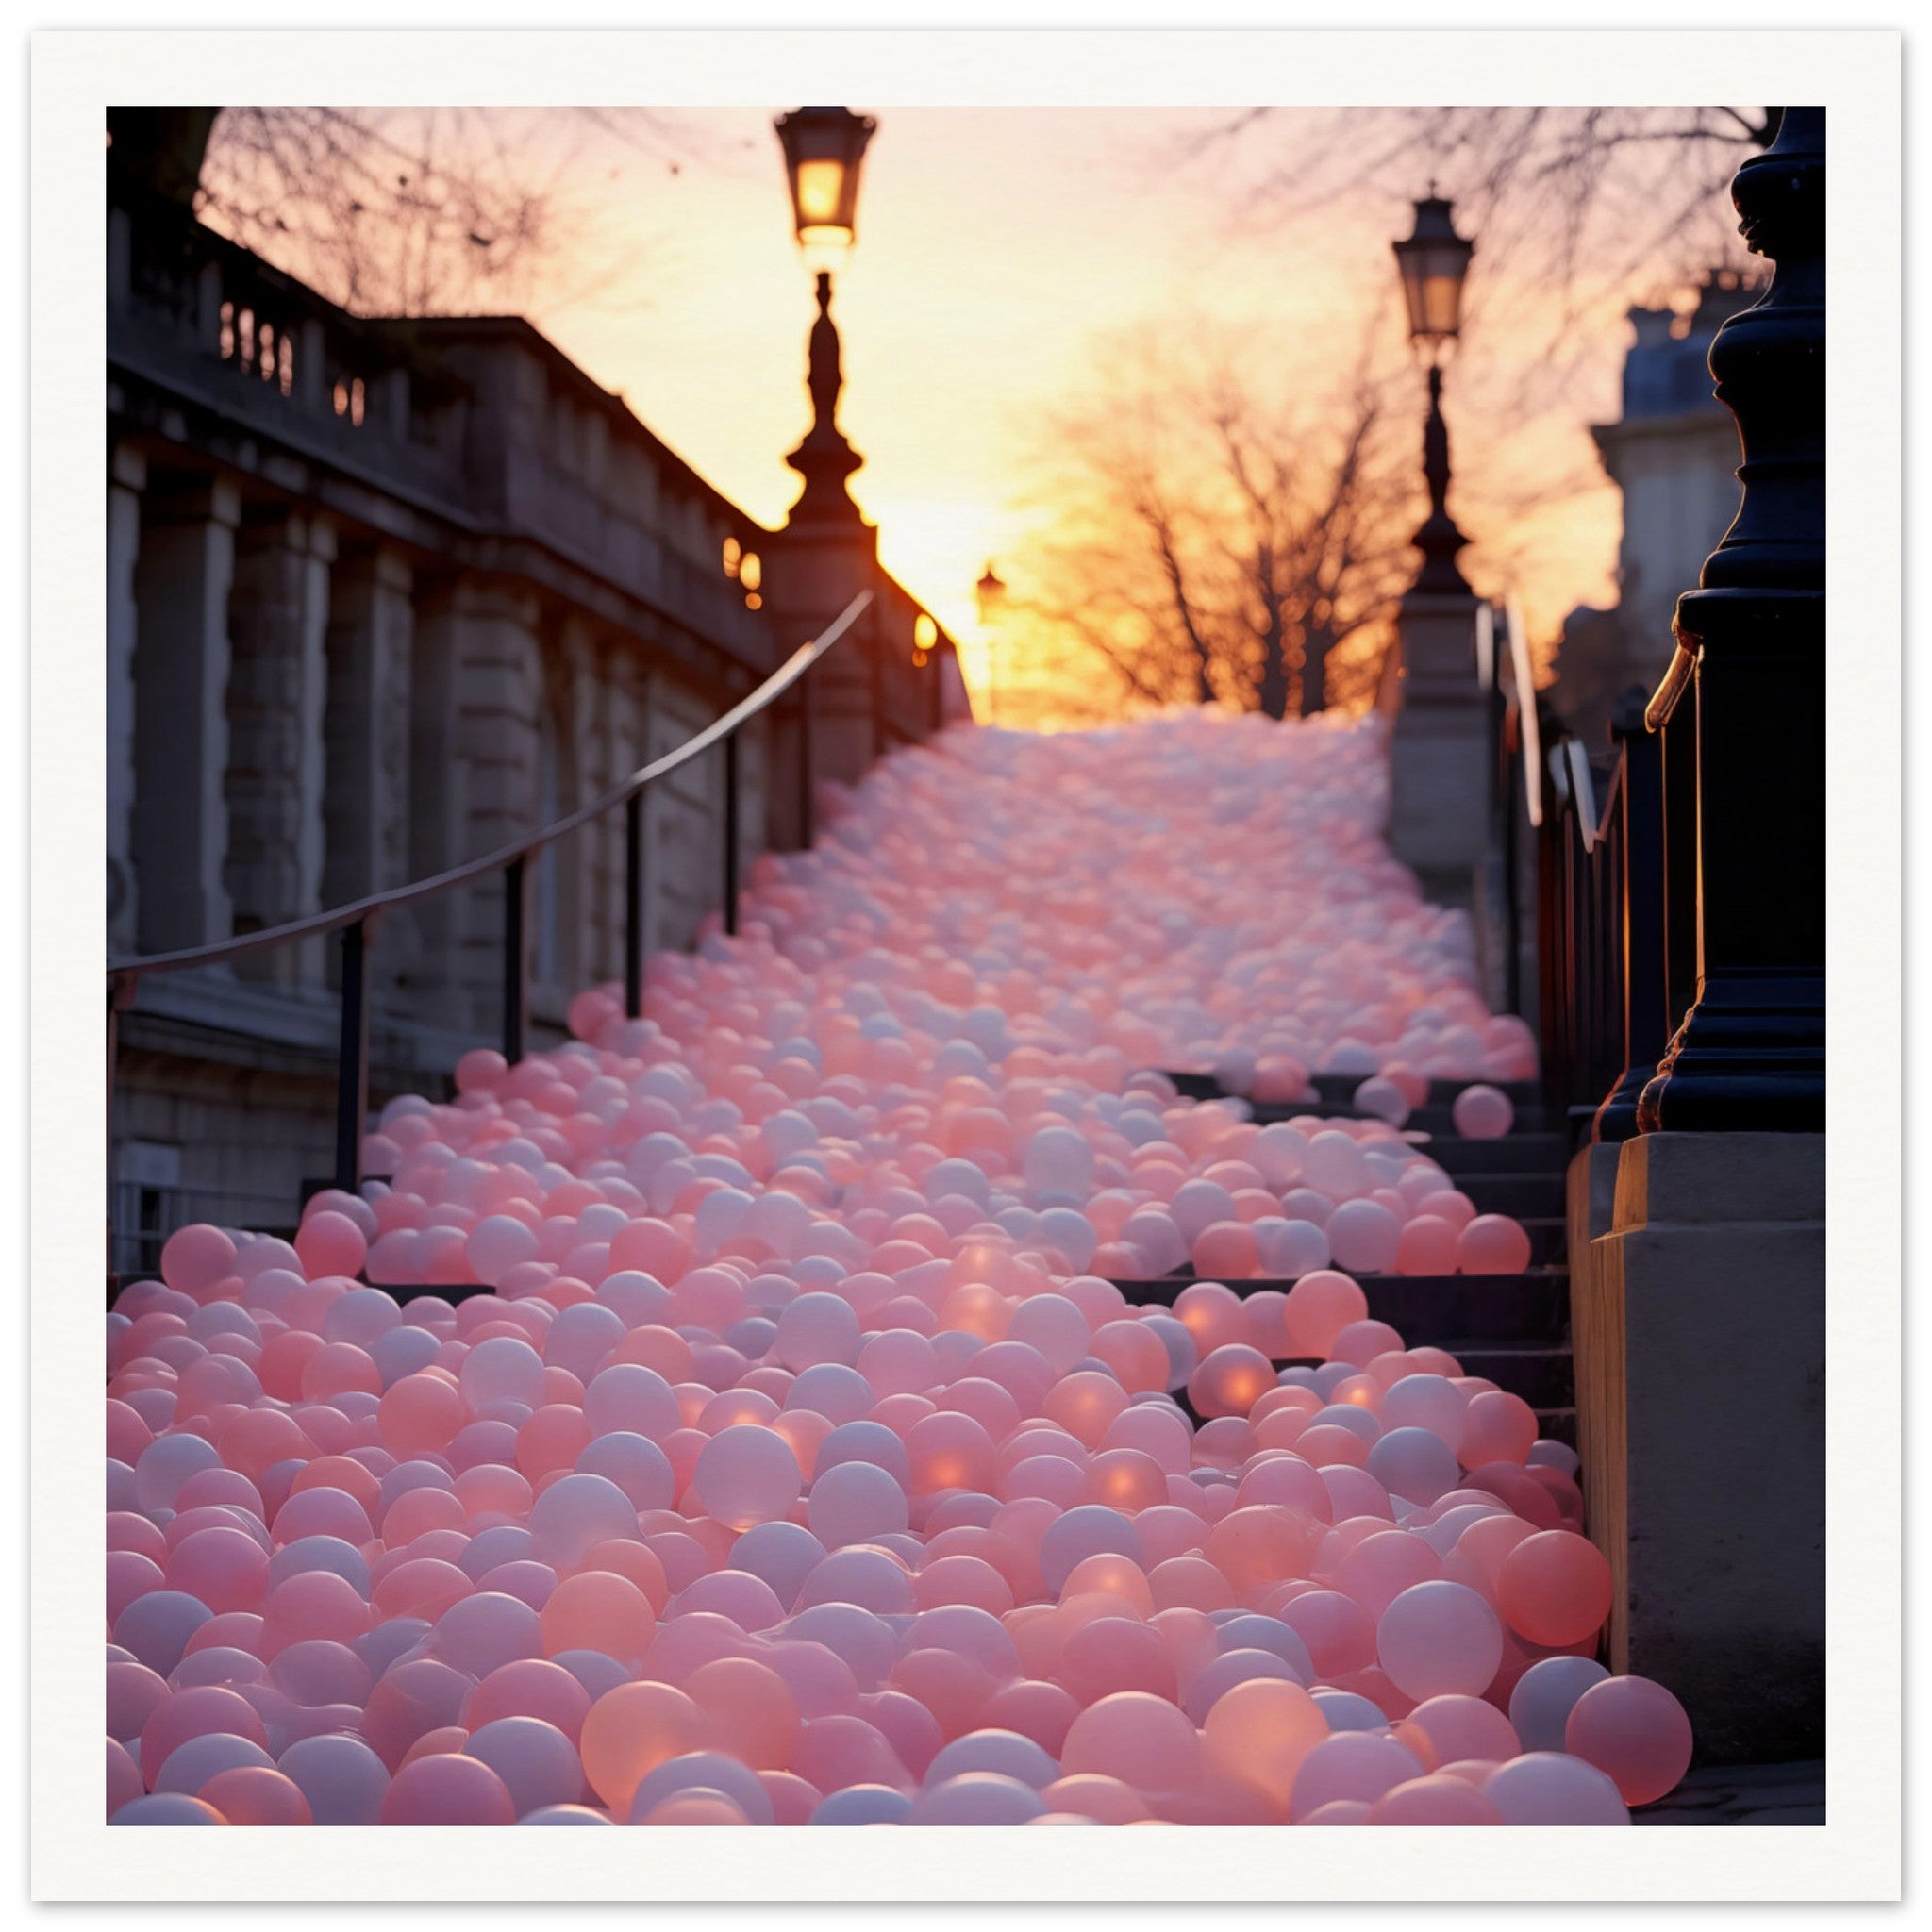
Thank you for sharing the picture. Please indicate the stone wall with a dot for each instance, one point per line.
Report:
(384, 597)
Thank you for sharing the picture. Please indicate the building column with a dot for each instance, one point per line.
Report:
(366, 724)
(624, 721)
(474, 699)
(180, 833)
(277, 695)
(126, 478)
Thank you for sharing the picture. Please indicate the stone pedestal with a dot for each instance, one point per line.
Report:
(819, 567)
(1439, 776)
(180, 828)
(1698, 1325)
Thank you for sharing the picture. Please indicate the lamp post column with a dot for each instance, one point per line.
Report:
(1438, 781)
(1750, 1053)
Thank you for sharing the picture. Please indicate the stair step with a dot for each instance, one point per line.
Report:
(1544, 1377)
(1529, 1153)
(1523, 1195)
(1431, 1310)
(1557, 1424)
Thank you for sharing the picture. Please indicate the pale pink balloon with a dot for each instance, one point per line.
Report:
(1365, 1238)
(1435, 1800)
(1452, 1727)
(1427, 1246)
(447, 1788)
(1493, 1244)
(1544, 1695)
(1322, 1306)
(1497, 1427)
(1554, 1588)
(1439, 1637)
(746, 1474)
(1350, 1765)
(1132, 1727)
(1549, 1788)
(1230, 1381)
(1482, 1113)
(1634, 1731)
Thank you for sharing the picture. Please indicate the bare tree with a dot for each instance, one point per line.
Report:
(403, 210)
(1600, 205)
(1216, 542)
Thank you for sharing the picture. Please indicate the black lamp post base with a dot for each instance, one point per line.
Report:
(1748, 1058)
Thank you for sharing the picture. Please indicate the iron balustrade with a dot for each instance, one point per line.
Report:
(357, 921)
(1616, 869)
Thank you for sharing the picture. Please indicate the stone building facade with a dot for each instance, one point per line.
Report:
(1674, 457)
(383, 595)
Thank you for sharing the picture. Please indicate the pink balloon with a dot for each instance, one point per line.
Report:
(1547, 1787)
(1635, 1732)
(1554, 1589)
(447, 1790)
(1438, 1637)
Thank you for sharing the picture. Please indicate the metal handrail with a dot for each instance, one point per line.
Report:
(356, 920)
(356, 911)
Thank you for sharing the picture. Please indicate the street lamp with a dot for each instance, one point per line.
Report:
(823, 148)
(990, 597)
(1434, 262)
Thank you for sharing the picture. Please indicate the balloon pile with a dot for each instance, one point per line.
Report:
(791, 1457)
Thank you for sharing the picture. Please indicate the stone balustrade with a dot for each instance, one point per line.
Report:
(384, 595)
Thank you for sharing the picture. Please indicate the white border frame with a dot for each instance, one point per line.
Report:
(1856, 75)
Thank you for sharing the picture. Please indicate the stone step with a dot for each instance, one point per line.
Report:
(1442, 1094)
(1529, 1153)
(1544, 1377)
(1557, 1424)
(1539, 1196)
(1435, 1121)
(1449, 1312)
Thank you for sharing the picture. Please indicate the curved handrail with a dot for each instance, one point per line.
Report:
(124, 973)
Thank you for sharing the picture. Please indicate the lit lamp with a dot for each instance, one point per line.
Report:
(823, 148)
(1434, 262)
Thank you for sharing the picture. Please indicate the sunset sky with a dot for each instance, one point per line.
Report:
(996, 249)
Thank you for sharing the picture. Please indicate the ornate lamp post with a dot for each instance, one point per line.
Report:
(1439, 762)
(1750, 670)
(989, 598)
(823, 148)
(1434, 262)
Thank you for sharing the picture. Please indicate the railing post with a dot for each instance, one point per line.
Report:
(731, 833)
(352, 1057)
(1750, 1055)
(634, 906)
(1551, 965)
(805, 780)
(1677, 769)
(515, 975)
(1646, 961)
(113, 1056)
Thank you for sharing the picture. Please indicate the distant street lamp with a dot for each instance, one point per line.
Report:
(823, 148)
(1434, 262)
(990, 597)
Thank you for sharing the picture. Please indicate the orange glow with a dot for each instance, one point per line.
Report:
(1000, 246)
(820, 185)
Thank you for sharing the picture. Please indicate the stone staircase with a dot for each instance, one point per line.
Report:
(1513, 1329)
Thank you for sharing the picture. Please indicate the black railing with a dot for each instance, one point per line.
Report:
(1616, 869)
(357, 921)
